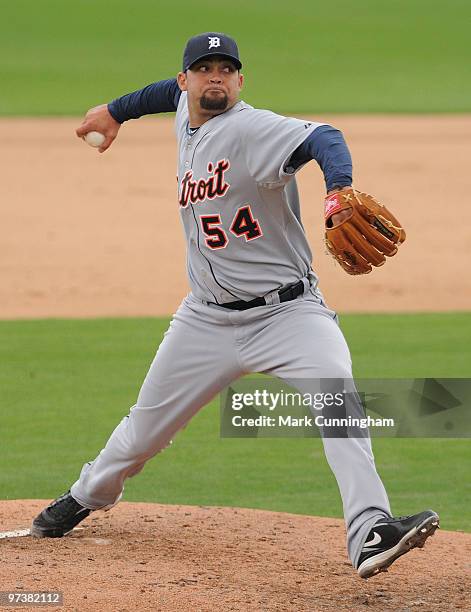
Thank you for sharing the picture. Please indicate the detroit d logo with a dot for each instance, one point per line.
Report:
(214, 41)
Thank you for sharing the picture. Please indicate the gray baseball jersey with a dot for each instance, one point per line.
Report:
(241, 219)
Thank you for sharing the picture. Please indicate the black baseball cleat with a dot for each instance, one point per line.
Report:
(390, 538)
(59, 518)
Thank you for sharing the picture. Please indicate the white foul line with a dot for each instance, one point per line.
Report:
(18, 533)
(21, 533)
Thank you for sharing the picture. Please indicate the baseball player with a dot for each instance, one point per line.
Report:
(254, 304)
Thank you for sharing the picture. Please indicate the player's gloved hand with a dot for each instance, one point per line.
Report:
(360, 231)
(99, 119)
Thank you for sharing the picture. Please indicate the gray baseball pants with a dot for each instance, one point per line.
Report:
(206, 348)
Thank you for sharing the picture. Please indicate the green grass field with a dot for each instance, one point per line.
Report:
(60, 58)
(65, 384)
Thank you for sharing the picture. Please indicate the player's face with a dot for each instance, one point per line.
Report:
(213, 85)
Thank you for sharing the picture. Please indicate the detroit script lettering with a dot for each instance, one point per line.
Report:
(215, 186)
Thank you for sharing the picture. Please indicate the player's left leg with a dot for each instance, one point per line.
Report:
(301, 343)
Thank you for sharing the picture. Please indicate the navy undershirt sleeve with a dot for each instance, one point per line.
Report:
(159, 97)
(327, 146)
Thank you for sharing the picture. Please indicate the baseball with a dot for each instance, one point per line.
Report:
(94, 139)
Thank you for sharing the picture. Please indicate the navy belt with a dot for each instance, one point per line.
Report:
(286, 293)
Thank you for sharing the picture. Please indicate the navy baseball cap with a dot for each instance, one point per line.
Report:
(210, 43)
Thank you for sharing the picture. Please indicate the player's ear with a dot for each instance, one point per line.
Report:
(181, 80)
(241, 80)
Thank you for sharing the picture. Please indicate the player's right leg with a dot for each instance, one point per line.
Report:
(195, 361)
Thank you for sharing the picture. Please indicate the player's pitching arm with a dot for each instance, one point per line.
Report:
(99, 119)
(159, 97)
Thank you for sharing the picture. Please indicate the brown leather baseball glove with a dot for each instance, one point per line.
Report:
(368, 233)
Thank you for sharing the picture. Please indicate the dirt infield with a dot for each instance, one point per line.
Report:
(154, 557)
(87, 235)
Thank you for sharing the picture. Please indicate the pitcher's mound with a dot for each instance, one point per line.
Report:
(155, 557)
